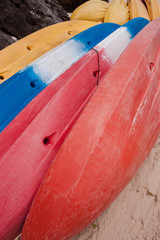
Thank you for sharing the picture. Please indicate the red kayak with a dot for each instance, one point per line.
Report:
(30, 141)
(107, 144)
(36, 134)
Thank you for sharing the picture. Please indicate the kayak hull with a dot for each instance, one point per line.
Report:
(23, 52)
(35, 135)
(153, 8)
(137, 9)
(107, 144)
(21, 88)
(16, 93)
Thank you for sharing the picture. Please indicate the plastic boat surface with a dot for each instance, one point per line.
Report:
(20, 89)
(153, 7)
(18, 55)
(36, 134)
(107, 144)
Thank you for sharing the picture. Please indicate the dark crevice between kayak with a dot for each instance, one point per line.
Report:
(145, 4)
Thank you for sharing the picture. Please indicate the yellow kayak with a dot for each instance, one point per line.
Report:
(153, 8)
(137, 9)
(21, 53)
(117, 12)
(92, 10)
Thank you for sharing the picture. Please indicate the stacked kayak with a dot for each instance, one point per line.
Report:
(153, 7)
(117, 11)
(23, 52)
(22, 87)
(40, 105)
(137, 8)
(105, 147)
